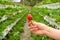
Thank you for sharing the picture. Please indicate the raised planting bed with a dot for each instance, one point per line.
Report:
(50, 6)
(6, 12)
(11, 19)
(4, 2)
(44, 2)
(16, 31)
(8, 21)
(39, 14)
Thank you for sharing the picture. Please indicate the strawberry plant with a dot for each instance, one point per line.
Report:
(39, 13)
(13, 11)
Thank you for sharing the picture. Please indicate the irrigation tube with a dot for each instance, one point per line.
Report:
(50, 6)
(9, 27)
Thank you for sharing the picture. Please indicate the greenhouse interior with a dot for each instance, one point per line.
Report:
(29, 19)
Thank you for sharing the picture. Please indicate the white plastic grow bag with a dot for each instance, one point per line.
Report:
(16, 0)
(9, 27)
(50, 6)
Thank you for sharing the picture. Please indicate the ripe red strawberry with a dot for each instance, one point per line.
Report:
(29, 17)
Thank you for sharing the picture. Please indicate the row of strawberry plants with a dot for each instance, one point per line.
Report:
(47, 2)
(5, 17)
(8, 11)
(9, 27)
(14, 34)
(39, 14)
(54, 13)
(50, 6)
(10, 20)
(4, 2)
(40, 19)
(12, 6)
(5, 32)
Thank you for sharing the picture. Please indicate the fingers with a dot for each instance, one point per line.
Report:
(35, 28)
(38, 32)
(29, 23)
(32, 26)
(35, 24)
(32, 23)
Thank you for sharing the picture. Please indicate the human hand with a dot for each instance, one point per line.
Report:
(39, 28)
(36, 28)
